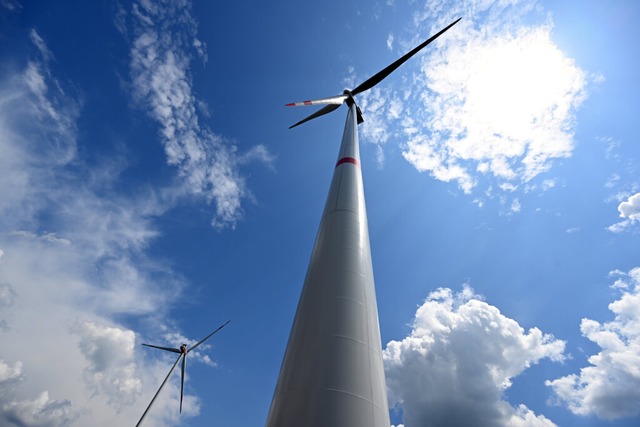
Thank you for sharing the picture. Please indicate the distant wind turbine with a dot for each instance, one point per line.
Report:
(182, 351)
(332, 372)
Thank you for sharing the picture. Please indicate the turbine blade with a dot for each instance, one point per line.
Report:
(184, 365)
(338, 99)
(377, 78)
(321, 112)
(173, 350)
(207, 337)
(158, 392)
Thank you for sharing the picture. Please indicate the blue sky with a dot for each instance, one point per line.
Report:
(150, 190)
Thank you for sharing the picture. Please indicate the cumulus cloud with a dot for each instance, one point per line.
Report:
(10, 373)
(460, 357)
(39, 412)
(630, 210)
(164, 39)
(495, 98)
(111, 369)
(610, 387)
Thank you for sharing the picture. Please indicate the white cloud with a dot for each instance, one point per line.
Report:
(612, 181)
(460, 357)
(495, 97)
(46, 237)
(111, 370)
(515, 206)
(160, 59)
(630, 210)
(12, 5)
(39, 412)
(10, 373)
(378, 103)
(41, 45)
(612, 147)
(623, 183)
(175, 339)
(7, 299)
(7, 295)
(610, 386)
(258, 153)
(505, 99)
(620, 227)
(73, 263)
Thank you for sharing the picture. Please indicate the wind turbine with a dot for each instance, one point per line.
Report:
(182, 354)
(334, 102)
(332, 372)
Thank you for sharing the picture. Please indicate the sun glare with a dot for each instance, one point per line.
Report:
(516, 82)
(504, 102)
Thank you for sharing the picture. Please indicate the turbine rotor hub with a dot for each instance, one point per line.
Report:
(349, 99)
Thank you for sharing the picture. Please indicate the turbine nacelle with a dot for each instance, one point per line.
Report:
(332, 103)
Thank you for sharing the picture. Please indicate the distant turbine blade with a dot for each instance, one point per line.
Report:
(321, 112)
(158, 392)
(377, 78)
(184, 365)
(173, 350)
(338, 100)
(207, 337)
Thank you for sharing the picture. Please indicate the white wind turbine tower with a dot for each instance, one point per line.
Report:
(332, 373)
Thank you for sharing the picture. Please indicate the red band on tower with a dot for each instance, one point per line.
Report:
(348, 160)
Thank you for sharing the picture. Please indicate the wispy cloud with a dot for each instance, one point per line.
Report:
(164, 39)
(494, 98)
(610, 386)
(390, 41)
(623, 185)
(460, 357)
(11, 5)
(258, 153)
(72, 263)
